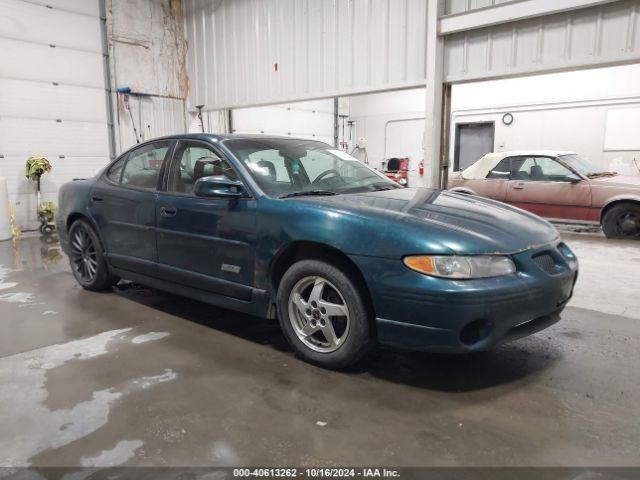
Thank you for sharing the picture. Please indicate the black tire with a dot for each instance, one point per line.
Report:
(358, 337)
(95, 276)
(622, 221)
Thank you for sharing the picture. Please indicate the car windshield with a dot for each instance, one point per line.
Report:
(291, 167)
(583, 167)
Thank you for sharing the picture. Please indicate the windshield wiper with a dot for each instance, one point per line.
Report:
(601, 174)
(308, 192)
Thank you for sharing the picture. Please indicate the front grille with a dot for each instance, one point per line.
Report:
(546, 262)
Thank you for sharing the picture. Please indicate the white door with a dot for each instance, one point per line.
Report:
(404, 139)
(52, 97)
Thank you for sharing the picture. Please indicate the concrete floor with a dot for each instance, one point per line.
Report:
(140, 377)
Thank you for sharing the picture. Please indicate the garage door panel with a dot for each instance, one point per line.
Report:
(25, 137)
(24, 208)
(45, 100)
(38, 24)
(23, 60)
(86, 7)
(63, 170)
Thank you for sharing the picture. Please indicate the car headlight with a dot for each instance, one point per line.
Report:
(457, 267)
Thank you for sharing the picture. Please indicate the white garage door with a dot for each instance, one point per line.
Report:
(52, 97)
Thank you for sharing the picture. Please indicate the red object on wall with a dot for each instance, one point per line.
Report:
(397, 169)
(275, 66)
(421, 168)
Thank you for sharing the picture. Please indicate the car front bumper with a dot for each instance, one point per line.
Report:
(419, 312)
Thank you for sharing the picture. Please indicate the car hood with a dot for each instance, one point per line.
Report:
(461, 223)
(631, 181)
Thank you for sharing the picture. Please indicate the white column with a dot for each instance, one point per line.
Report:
(433, 111)
(5, 223)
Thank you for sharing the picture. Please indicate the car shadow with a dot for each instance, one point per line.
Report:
(519, 361)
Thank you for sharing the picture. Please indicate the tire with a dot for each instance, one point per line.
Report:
(86, 258)
(323, 315)
(622, 221)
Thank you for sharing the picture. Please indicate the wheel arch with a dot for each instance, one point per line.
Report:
(74, 216)
(309, 250)
(617, 201)
(465, 191)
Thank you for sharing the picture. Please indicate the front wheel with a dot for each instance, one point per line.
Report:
(323, 314)
(622, 221)
(87, 258)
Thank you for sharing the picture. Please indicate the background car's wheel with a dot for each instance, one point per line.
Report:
(87, 258)
(622, 221)
(323, 314)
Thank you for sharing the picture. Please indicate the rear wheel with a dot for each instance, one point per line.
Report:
(622, 221)
(87, 258)
(323, 315)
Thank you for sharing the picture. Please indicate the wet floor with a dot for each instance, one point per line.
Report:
(142, 377)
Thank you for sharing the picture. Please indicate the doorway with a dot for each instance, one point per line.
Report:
(473, 140)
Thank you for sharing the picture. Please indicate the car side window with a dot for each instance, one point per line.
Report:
(269, 164)
(115, 172)
(540, 169)
(193, 161)
(143, 165)
(502, 171)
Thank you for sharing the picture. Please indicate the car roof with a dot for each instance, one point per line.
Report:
(538, 153)
(488, 162)
(226, 136)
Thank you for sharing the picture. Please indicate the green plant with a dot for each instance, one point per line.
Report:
(47, 211)
(36, 167)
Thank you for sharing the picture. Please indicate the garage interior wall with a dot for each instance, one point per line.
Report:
(460, 6)
(392, 125)
(594, 36)
(574, 111)
(311, 119)
(147, 50)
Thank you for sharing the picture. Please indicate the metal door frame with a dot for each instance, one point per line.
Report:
(456, 151)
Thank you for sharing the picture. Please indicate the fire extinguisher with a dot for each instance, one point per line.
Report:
(421, 168)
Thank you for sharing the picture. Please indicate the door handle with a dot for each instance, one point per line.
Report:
(96, 199)
(168, 211)
(518, 186)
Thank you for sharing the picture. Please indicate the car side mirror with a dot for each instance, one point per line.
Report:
(218, 186)
(573, 179)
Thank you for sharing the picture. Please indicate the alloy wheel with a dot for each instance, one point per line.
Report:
(83, 255)
(319, 314)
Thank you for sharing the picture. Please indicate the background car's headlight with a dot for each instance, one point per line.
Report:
(456, 267)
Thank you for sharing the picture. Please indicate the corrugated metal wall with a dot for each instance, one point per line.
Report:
(248, 52)
(153, 117)
(593, 36)
(147, 52)
(459, 6)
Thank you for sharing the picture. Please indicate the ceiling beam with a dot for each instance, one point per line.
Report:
(509, 12)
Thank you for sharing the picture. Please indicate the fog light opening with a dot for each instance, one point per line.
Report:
(475, 332)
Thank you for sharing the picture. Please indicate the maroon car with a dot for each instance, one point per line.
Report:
(559, 186)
